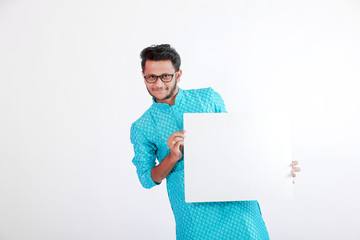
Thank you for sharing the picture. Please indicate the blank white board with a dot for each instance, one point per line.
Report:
(237, 157)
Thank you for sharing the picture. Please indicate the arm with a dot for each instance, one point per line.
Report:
(175, 143)
(145, 155)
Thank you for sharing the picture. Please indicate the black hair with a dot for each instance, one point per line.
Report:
(158, 53)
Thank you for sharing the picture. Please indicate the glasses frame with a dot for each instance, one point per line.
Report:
(161, 76)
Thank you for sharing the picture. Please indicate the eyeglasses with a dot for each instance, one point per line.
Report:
(153, 78)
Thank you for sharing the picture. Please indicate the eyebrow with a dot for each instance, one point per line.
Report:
(160, 74)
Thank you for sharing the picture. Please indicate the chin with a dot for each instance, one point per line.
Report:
(159, 96)
(163, 98)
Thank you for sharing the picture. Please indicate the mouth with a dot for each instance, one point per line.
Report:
(158, 90)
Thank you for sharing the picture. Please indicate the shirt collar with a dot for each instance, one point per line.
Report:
(178, 98)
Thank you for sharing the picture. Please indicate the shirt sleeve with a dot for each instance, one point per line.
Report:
(218, 102)
(144, 159)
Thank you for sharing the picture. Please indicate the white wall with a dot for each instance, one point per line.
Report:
(70, 86)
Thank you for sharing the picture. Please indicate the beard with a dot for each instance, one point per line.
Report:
(170, 95)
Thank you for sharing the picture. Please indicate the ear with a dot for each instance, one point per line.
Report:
(179, 75)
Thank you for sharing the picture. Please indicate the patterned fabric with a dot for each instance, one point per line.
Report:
(194, 221)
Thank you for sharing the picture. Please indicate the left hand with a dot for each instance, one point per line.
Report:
(294, 169)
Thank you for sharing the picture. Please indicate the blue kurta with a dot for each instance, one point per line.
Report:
(194, 221)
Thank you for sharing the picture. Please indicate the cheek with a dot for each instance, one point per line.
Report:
(170, 86)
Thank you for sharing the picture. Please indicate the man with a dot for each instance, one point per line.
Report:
(159, 133)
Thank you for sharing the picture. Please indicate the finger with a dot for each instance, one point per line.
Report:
(293, 181)
(173, 139)
(181, 147)
(294, 163)
(176, 139)
(293, 173)
(179, 144)
(296, 169)
(176, 134)
(182, 132)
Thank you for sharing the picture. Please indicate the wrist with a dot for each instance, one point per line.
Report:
(172, 158)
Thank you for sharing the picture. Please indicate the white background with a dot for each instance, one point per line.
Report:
(71, 87)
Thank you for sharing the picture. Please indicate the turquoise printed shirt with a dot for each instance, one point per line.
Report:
(208, 220)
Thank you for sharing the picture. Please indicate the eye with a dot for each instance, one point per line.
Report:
(166, 77)
(151, 78)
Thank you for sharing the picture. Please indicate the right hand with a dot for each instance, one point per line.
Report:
(176, 144)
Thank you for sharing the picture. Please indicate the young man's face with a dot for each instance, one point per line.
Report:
(162, 91)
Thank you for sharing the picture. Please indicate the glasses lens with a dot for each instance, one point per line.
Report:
(151, 78)
(167, 77)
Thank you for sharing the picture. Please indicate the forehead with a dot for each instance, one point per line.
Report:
(158, 67)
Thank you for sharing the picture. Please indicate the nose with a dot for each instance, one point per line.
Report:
(158, 83)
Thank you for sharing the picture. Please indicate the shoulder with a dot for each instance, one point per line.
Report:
(202, 93)
(199, 90)
(142, 124)
(208, 98)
